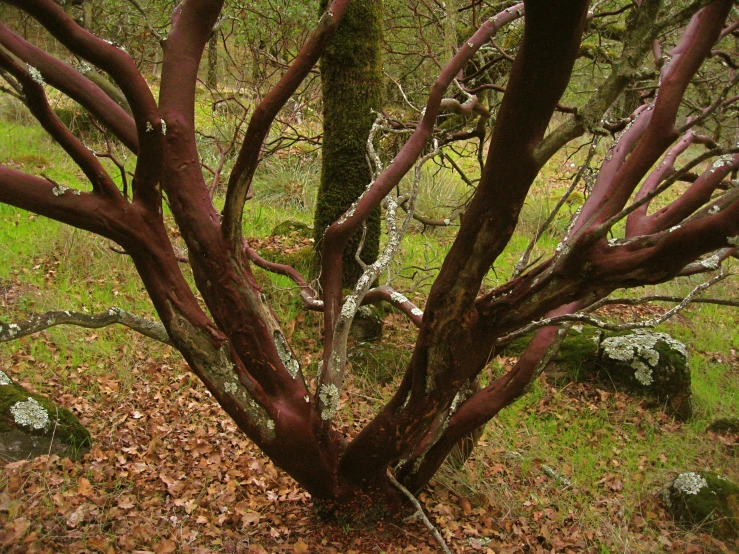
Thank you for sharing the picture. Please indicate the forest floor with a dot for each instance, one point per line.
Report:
(170, 472)
(574, 466)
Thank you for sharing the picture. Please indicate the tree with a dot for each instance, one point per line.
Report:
(238, 349)
(351, 80)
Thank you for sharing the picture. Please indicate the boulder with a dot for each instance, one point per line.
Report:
(653, 365)
(725, 425)
(640, 363)
(367, 325)
(32, 425)
(291, 226)
(705, 499)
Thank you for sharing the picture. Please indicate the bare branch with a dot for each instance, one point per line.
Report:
(420, 512)
(152, 329)
(523, 261)
(606, 226)
(35, 98)
(149, 26)
(589, 320)
(662, 298)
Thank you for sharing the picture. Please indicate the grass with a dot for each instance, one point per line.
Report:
(615, 453)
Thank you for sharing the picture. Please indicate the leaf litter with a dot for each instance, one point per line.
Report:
(170, 472)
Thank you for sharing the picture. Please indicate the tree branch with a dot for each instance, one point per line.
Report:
(75, 85)
(152, 329)
(119, 65)
(35, 98)
(589, 320)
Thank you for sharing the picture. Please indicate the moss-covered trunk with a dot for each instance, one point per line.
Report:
(212, 81)
(351, 77)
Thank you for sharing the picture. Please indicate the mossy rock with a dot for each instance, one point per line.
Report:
(642, 363)
(724, 425)
(649, 364)
(292, 226)
(576, 359)
(32, 425)
(704, 499)
(302, 260)
(367, 325)
(377, 362)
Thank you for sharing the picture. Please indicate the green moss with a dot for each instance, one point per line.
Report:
(62, 423)
(351, 76)
(291, 226)
(576, 358)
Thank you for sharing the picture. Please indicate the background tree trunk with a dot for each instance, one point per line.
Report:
(351, 77)
(212, 80)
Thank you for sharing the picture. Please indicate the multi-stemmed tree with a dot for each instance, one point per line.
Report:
(237, 348)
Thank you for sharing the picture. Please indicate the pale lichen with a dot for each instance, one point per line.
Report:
(398, 298)
(164, 127)
(733, 241)
(349, 307)
(4, 379)
(712, 262)
(638, 351)
(84, 68)
(689, 483)
(724, 161)
(13, 330)
(286, 355)
(35, 75)
(30, 413)
(417, 312)
(149, 127)
(329, 396)
(643, 373)
(59, 190)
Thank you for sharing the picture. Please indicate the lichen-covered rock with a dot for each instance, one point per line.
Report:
(705, 499)
(650, 364)
(31, 425)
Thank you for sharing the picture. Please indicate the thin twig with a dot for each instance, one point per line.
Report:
(422, 515)
(589, 320)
